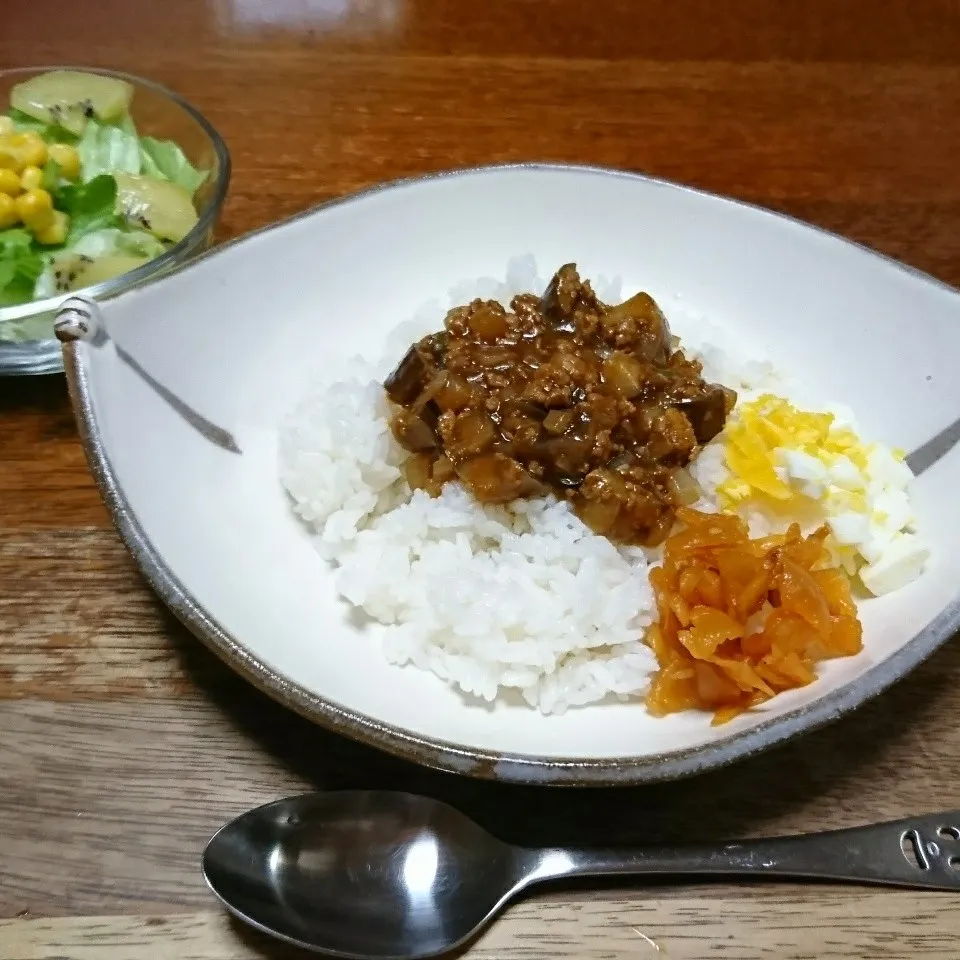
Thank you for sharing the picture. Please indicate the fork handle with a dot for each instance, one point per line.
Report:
(916, 852)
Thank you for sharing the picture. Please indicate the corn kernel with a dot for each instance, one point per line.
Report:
(8, 211)
(66, 158)
(6, 125)
(56, 231)
(35, 208)
(32, 149)
(31, 178)
(9, 183)
(10, 155)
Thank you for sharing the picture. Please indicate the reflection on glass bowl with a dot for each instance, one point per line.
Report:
(27, 345)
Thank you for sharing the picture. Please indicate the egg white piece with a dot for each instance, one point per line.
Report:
(900, 562)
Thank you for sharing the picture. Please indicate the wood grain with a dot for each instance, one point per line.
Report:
(769, 923)
(124, 744)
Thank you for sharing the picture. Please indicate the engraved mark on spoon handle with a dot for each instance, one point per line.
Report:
(921, 852)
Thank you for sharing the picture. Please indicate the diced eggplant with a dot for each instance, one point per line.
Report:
(564, 294)
(559, 298)
(412, 432)
(672, 438)
(497, 478)
(623, 461)
(567, 453)
(411, 376)
(707, 412)
(639, 322)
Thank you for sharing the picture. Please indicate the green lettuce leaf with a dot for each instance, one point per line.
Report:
(21, 261)
(91, 205)
(50, 132)
(106, 148)
(164, 159)
(116, 148)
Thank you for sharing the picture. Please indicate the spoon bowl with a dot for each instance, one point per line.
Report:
(363, 873)
(375, 875)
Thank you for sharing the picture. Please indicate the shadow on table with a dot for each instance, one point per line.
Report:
(271, 949)
(46, 393)
(45, 399)
(749, 798)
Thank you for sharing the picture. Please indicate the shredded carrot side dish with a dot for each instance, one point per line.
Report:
(740, 620)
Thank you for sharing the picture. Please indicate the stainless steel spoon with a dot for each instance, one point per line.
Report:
(378, 875)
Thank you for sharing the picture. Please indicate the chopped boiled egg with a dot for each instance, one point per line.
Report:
(776, 453)
(807, 473)
(900, 562)
(844, 473)
(849, 528)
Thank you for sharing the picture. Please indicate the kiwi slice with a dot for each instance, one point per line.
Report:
(69, 98)
(162, 207)
(73, 271)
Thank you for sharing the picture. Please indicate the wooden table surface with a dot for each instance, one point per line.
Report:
(124, 744)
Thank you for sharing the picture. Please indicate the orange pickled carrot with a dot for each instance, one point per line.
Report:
(741, 620)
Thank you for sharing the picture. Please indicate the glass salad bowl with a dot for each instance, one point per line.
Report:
(100, 163)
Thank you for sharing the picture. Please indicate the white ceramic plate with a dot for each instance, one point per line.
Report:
(235, 334)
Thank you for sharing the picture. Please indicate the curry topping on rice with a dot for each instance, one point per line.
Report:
(559, 394)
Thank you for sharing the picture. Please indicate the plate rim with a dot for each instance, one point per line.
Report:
(434, 752)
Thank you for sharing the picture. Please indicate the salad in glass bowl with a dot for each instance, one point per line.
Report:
(105, 180)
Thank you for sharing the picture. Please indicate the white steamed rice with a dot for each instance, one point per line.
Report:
(494, 600)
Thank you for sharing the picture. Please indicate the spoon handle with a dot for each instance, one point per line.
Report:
(916, 852)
